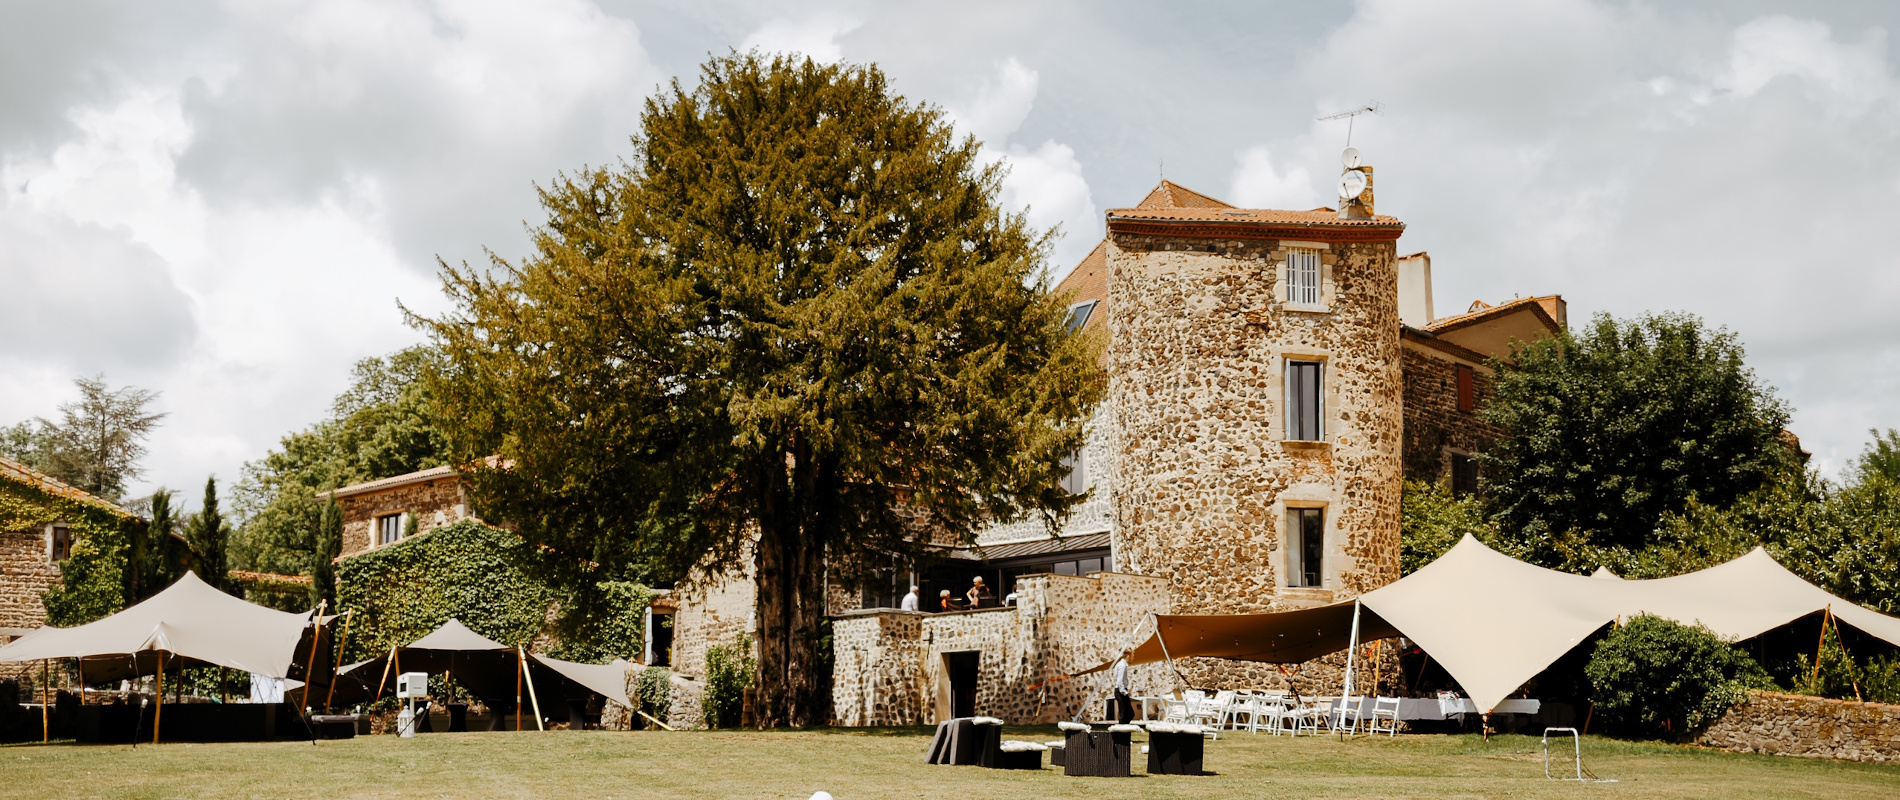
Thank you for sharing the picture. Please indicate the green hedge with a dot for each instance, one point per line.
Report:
(730, 669)
(1656, 678)
(92, 578)
(467, 571)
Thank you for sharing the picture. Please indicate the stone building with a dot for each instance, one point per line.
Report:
(1273, 377)
(41, 519)
(383, 512)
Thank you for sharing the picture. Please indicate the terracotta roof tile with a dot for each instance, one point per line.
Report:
(1482, 310)
(1317, 218)
(432, 473)
(39, 480)
(1169, 194)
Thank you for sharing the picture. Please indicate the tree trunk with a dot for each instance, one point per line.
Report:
(791, 601)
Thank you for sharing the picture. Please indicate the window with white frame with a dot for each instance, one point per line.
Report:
(1305, 546)
(389, 528)
(1077, 481)
(1305, 401)
(1302, 277)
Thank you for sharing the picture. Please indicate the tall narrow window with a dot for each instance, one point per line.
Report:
(1305, 546)
(1302, 276)
(1464, 474)
(1303, 401)
(1077, 481)
(1467, 390)
(62, 544)
(388, 528)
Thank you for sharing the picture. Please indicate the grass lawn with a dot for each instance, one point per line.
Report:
(888, 763)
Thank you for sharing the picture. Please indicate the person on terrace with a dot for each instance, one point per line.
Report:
(909, 603)
(978, 592)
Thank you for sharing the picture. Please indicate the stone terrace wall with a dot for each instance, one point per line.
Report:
(1200, 465)
(889, 664)
(25, 573)
(434, 503)
(1814, 727)
(1432, 419)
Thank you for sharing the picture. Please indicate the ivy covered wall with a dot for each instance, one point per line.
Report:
(92, 578)
(467, 571)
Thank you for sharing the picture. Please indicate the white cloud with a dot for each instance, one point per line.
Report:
(1257, 183)
(815, 36)
(1047, 180)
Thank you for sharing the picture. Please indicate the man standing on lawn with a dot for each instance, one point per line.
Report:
(1124, 707)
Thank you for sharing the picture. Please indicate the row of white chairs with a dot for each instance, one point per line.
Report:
(1277, 712)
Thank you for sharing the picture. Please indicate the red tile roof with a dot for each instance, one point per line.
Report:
(22, 473)
(1169, 194)
(1318, 218)
(1545, 306)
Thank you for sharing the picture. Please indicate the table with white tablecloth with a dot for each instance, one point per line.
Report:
(1434, 708)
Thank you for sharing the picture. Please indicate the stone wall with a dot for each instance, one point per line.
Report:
(889, 665)
(1202, 470)
(26, 572)
(1434, 427)
(715, 607)
(1813, 727)
(1094, 515)
(434, 504)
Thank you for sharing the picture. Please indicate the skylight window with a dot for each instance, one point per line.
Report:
(1079, 314)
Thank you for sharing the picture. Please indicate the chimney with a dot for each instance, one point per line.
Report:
(1415, 289)
(1355, 205)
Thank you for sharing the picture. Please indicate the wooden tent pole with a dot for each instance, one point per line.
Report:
(158, 697)
(387, 662)
(1820, 642)
(341, 643)
(46, 722)
(79, 666)
(310, 665)
(518, 663)
(1842, 643)
(538, 725)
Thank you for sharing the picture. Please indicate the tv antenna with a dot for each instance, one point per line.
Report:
(1375, 107)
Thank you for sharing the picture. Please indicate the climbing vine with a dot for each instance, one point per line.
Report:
(92, 582)
(466, 571)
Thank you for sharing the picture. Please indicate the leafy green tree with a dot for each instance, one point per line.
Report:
(154, 559)
(1432, 520)
(1607, 430)
(98, 442)
(329, 545)
(379, 427)
(206, 533)
(1653, 677)
(1881, 459)
(794, 333)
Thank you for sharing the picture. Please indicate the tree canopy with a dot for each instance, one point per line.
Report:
(1607, 430)
(381, 426)
(794, 326)
(97, 443)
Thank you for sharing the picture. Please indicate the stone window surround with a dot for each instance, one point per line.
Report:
(1307, 495)
(1281, 279)
(376, 528)
(48, 535)
(1329, 398)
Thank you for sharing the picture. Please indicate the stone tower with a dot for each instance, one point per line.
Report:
(1254, 402)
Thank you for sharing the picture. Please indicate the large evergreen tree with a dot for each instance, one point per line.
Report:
(795, 325)
(206, 532)
(1608, 430)
(97, 443)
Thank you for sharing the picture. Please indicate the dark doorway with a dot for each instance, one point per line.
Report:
(662, 640)
(961, 667)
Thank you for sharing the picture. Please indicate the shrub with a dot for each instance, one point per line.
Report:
(1431, 521)
(729, 672)
(1652, 677)
(653, 690)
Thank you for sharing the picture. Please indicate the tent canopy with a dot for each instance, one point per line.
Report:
(189, 620)
(1494, 622)
(487, 667)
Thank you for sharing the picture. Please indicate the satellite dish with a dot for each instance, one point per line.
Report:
(1351, 184)
(1350, 158)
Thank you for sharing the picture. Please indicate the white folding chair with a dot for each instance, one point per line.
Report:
(1212, 714)
(1304, 717)
(1270, 708)
(1385, 717)
(1346, 713)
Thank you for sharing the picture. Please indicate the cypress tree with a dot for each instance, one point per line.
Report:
(207, 536)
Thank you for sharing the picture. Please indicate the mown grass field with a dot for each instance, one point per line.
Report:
(888, 763)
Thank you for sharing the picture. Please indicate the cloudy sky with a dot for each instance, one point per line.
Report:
(225, 202)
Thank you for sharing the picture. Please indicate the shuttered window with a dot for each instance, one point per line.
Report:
(62, 543)
(1304, 401)
(388, 528)
(1302, 277)
(1467, 390)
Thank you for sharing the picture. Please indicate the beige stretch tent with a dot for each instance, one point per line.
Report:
(189, 621)
(487, 667)
(1494, 622)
